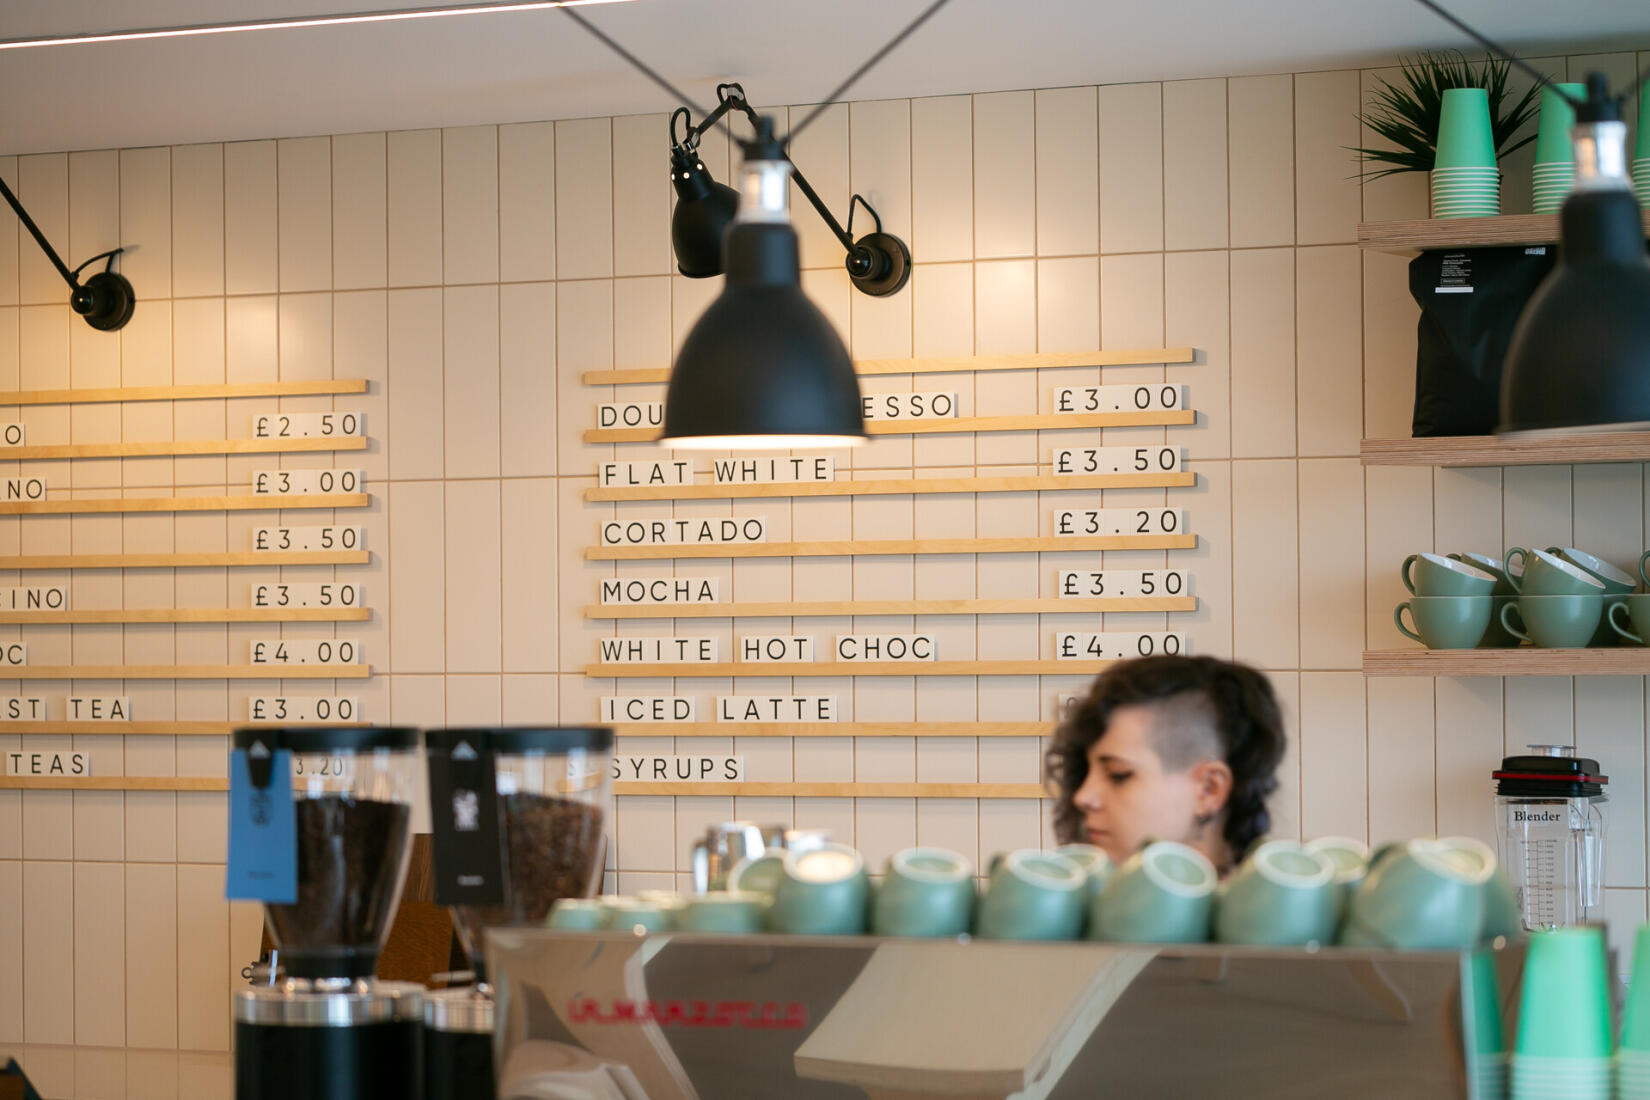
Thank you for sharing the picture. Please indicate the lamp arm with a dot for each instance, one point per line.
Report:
(807, 189)
(39, 237)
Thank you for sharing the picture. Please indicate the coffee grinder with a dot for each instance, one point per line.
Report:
(318, 831)
(517, 815)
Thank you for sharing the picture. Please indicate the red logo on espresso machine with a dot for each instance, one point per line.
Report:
(748, 1015)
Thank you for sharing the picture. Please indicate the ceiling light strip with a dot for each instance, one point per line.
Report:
(340, 19)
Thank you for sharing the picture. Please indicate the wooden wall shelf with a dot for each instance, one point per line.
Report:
(1526, 661)
(183, 393)
(191, 615)
(894, 486)
(1490, 450)
(1053, 606)
(270, 503)
(827, 729)
(845, 668)
(831, 790)
(948, 364)
(112, 783)
(184, 448)
(269, 558)
(1159, 418)
(186, 672)
(1409, 237)
(888, 546)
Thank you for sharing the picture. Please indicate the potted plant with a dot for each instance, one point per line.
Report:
(1406, 113)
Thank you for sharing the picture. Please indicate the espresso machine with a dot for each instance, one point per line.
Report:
(318, 831)
(517, 816)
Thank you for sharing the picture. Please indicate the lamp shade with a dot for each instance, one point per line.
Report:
(1579, 359)
(704, 208)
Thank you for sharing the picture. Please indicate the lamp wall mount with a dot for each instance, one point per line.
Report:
(105, 299)
(878, 263)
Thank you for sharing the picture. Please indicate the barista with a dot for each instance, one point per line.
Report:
(1169, 748)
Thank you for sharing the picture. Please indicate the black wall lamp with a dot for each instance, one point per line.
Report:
(106, 299)
(878, 263)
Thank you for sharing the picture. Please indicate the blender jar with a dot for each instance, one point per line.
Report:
(1550, 833)
(551, 788)
(353, 788)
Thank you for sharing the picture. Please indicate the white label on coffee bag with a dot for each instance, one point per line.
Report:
(1150, 397)
(22, 708)
(885, 647)
(776, 708)
(677, 769)
(98, 708)
(1078, 522)
(675, 472)
(775, 649)
(747, 471)
(683, 532)
(647, 708)
(909, 406)
(660, 590)
(658, 650)
(1087, 583)
(1077, 461)
(1116, 645)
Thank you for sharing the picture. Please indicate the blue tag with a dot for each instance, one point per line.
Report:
(263, 827)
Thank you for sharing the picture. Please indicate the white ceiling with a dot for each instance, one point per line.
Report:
(539, 65)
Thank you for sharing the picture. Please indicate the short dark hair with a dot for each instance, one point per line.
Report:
(1245, 716)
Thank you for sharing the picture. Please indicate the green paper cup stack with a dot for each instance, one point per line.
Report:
(1641, 151)
(1633, 1059)
(1465, 180)
(1564, 1030)
(1484, 1043)
(1555, 169)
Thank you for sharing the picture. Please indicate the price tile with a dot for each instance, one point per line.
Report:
(313, 594)
(1087, 583)
(275, 539)
(279, 425)
(1077, 461)
(303, 708)
(1156, 396)
(291, 483)
(1079, 522)
(306, 651)
(1116, 645)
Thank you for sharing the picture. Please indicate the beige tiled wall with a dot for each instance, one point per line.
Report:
(473, 274)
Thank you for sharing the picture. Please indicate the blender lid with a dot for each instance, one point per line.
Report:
(327, 738)
(522, 739)
(1559, 775)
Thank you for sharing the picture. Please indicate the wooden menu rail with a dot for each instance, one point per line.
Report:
(1544, 449)
(185, 672)
(183, 393)
(185, 447)
(144, 729)
(824, 729)
(1525, 661)
(890, 486)
(217, 560)
(832, 790)
(683, 670)
(1155, 418)
(888, 546)
(112, 783)
(889, 607)
(948, 364)
(192, 615)
(270, 502)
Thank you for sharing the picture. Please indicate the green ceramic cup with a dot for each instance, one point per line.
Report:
(1552, 138)
(1554, 622)
(1283, 894)
(1436, 575)
(1635, 1014)
(925, 892)
(1033, 895)
(1634, 609)
(1502, 917)
(759, 875)
(724, 911)
(1091, 859)
(1497, 636)
(1615, 582)
(576, 915)
(825, 892)
(1544, 574)
(1446, 622)
(1351, 860)
(1564, 1010)
(625, 914)
(1164, 893)
(1464, 136)
(1427, 894)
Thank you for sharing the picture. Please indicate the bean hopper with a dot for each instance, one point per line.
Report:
(325, 1029)
(1549, 823)
(517, 816)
